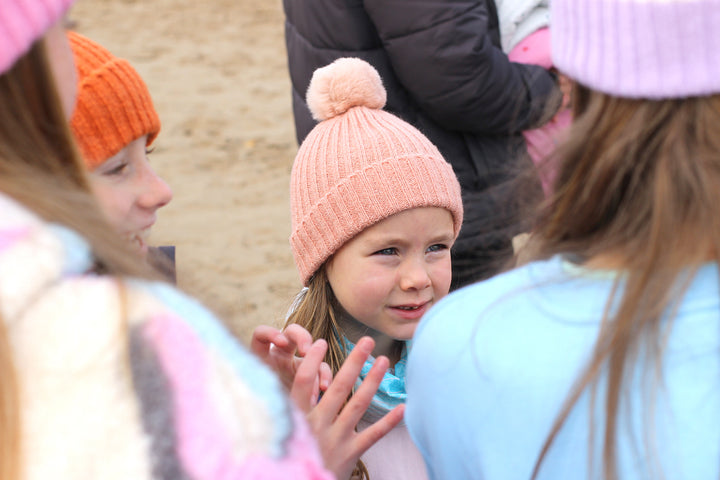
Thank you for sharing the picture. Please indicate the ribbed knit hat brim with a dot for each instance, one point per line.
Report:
(24, 21)
(639, 48)
(113, 106)
(356, 169)
(363, 200)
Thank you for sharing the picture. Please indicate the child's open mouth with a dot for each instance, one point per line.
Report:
(139, 240)
(411, 312)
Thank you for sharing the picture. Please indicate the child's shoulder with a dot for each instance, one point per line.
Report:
(462, 306)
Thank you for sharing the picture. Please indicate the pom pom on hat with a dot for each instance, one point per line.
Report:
(24, 21)
(345, 83)
(113, 107)
(359, 165)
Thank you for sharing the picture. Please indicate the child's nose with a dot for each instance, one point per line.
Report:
(414, 275)
(155, 192)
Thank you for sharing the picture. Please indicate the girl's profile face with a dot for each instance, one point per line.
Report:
(391, 273)
(130, 192)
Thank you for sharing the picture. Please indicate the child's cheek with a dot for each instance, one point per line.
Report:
(442, 277)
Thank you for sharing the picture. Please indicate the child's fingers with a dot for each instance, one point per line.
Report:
(344, 380)
(341, 449)
(368, 437)
(263, 337)
(326, 376)
(361, 399)
(298, 339)
(304, 389)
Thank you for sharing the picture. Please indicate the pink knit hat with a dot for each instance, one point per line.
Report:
(24, 21)
(359, 165)
(639, 48)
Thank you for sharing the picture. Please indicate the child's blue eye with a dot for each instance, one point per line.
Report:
(387, 251)
(437, 247)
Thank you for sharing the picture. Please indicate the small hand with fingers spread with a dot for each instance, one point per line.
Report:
(334, 418)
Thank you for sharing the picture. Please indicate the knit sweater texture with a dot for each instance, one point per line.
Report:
(121, 378)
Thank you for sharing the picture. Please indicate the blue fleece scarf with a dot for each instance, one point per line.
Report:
(391, 392)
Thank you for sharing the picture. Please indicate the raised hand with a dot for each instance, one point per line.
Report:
(284, 352)
(332, 420)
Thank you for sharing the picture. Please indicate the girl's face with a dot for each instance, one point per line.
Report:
(130, 192)
(391, 273)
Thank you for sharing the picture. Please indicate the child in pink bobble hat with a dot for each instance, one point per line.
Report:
(375, 211)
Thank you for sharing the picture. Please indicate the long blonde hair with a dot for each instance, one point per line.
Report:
(41, 169)
(638, 181)
(317, 312)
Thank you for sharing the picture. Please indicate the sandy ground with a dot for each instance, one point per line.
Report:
(217, 72)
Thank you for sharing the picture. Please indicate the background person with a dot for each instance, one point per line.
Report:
(115, 124)
(525, 37)
(446, 74)
(375, 210)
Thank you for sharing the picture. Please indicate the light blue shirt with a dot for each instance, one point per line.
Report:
(492, 364)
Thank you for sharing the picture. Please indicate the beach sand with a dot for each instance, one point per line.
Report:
(217, 72)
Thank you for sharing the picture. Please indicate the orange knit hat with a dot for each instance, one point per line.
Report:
(359, 165)
(113, 103)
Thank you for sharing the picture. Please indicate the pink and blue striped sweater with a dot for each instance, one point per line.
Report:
(122, 378)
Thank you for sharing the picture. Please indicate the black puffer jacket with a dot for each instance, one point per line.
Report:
(444, 71)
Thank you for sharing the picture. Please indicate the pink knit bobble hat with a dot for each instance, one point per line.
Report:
(24, 21)
(359, 165)
(639, 48)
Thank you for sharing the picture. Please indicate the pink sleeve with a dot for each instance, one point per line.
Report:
(542, 141)
(533, 49)
(212, 441)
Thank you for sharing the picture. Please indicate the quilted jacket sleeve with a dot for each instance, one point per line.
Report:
(444, 55)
